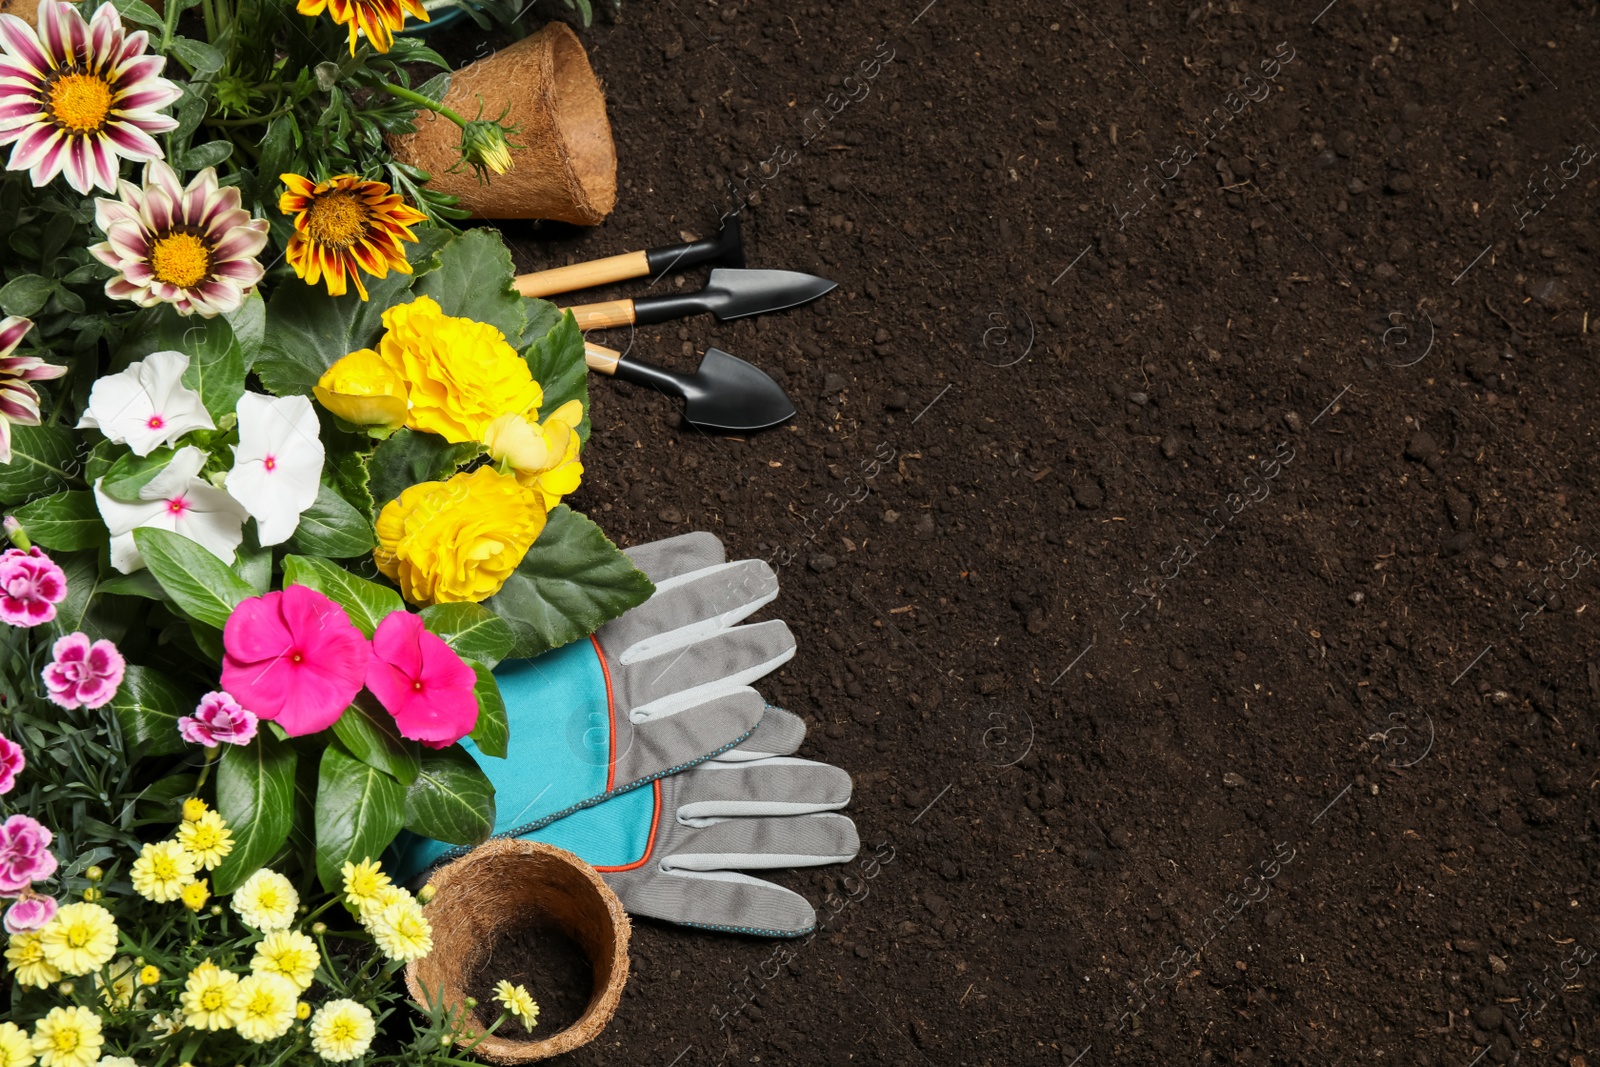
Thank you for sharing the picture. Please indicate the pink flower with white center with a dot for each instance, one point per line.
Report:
(25, 855)
(147, 405)
(84, 674)
(190, 246)
(19, 400)
(277, 464)
(12, 763)
(218, 720)
(31, 585)
(75, 96)
(176, 500)
(32, 912)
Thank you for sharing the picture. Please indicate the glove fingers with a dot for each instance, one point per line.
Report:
(672, 556)
(778, 734)
(690, 607)
(778, 785)
(735, 903)
(668, 744)
(764, 844)
(673, 681)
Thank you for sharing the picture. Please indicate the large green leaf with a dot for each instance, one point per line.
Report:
(64, 522)
(255, 795)
(308, 331)
(349, 474)
(87, 606)
(542, 317)
(492, 730)
(331, 527)
(557, 362)
(131, 473)
(569, 584)
(198, 582)
(452, 800)
(408, 457)
(148, 704)
(42, 461)
(473, 281)
(367, 603)
(360, 809)
(472, 630)
(370, 733)
(249, 324)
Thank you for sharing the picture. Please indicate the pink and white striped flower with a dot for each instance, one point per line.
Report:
(190, 246)
(19, 400)
(75, 96)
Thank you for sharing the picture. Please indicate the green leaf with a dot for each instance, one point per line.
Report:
(199, 55)
(543, 317)
(372, 737)
(87, 606)
(348, 473)
(25, 294)
(308, 330)
(253, 564)
(452, 800)
(367, 603)
(360, 809)
(407, 458)
(473, 631)
(64, 522)
(473, 281)
(140, 12)
(249, 323)
(42, 461)
(139, 583)
(255, 796)
(148, 705)
(493, 729)
(216, 361)
(569, 584)
(207, 155)
(331, 527)
(557, 362)
(131, 473)
(198, 582)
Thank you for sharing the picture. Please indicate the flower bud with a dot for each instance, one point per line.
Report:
(426, 893)
(94, 874)
(319, 928)
(484, 147)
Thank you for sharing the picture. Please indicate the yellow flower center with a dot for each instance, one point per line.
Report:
(211, 999)
(337, 218)
(181, 259)
(77, 936)
(64, 1041)
(342, 1030)
(164, 869)
(267, 900)
(80, 102)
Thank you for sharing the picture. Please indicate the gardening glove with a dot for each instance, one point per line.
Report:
(660, 688)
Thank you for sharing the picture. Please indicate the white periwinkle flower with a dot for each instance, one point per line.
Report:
(147, 405)
(277, 463)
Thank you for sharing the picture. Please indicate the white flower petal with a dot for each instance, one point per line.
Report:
(147, 405)
(277, 463)
(213, 519)
(185, 465)
(122, 519)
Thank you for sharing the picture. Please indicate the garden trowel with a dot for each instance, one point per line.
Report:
(729, 294)
(725, 393)
(726, 249)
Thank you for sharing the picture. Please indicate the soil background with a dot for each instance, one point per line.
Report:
(1201, 596)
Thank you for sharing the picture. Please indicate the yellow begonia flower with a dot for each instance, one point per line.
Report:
(458, 540)
(366, 389)
(543, 456)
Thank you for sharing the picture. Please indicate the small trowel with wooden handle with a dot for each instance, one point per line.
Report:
(725, 393)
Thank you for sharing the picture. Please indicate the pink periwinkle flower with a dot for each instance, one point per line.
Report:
(218, 720)
(84, 675)
(11, 763)
(422, 682)
(25, 855)
(293, 657)
(31, 585)
(30, 913)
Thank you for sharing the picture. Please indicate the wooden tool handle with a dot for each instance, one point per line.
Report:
(584, 275)
(601, 359)
(604, 316)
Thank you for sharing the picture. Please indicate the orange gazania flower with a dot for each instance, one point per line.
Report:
(343, 224)
(378, 19)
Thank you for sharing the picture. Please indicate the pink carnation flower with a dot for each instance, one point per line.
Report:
(218, 720)
(30, 913)
(11, 763)
(293, 657)
(420, 679)
(25, 855)
(84, 675)
(31, 585)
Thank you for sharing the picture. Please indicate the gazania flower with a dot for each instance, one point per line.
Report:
(19, 400)
(192, 247)
(76, 95)
(346, 225)
(378, 19)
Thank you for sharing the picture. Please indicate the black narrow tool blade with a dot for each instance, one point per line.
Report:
(727, 393)
(733, 293)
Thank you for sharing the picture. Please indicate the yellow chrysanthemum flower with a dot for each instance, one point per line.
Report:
(81, 939)
(210, 998)
(195, 895)
(16, 1048)
(162, 870)
(25, 957)
(401, 931)
(342, 1030)
(519, 1002)
(68, 1037)
(267, 901)
(207, 839)
(362, 882)
(288, 954)
(119, 994)
(149, 974)
(264, 1006)
(193, 809)
(302, 1011)
(543, 456)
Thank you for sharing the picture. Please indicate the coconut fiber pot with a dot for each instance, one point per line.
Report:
(499, 888)
(567, 167)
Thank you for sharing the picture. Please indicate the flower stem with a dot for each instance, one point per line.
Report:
(205, 772)
(412, 97)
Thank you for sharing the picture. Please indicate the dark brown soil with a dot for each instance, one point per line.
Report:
(550, 965)
(1216, 651)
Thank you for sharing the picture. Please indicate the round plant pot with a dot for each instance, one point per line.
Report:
(499, 888)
